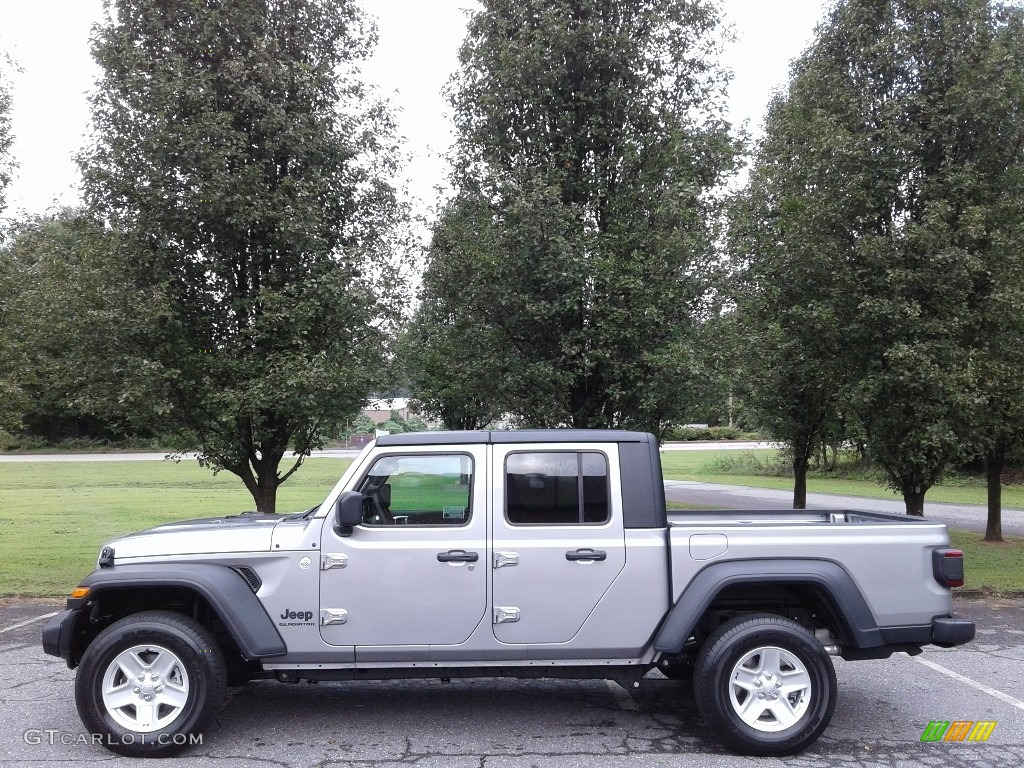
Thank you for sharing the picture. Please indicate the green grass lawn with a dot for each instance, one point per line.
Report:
(54, 516)
(995, 567)
(713, 467)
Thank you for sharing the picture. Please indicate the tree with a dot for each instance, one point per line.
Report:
(362, 425)
(590, 141)
(241, 164)
(996, 322)
(66, 323)
(716, 363)
(897, 164)
(795, 377)
(6, 140)
(415, 424)
(449, 355)
(395, 425)
(998, 415)
(10, 394)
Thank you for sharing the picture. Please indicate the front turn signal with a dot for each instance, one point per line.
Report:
(79, 592)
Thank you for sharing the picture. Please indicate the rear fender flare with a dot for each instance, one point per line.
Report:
(828, 577)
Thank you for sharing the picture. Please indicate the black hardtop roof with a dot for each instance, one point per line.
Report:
(518, 436)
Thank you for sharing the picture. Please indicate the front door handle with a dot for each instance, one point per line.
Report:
(457, 556)
(586, 555)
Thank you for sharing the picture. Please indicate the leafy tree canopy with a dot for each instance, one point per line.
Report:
(888, 170)
(243, 164)
(63, 329)
(590, 143)
(6, 138)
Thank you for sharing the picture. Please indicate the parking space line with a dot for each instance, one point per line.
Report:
(1005, 698)
(622, 697)
(28, 621)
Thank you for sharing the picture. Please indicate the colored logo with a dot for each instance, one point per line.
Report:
(958, 730)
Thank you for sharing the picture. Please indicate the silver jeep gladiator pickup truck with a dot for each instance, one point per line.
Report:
(516, 554)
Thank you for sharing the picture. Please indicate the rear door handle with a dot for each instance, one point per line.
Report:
(457, 556)
(586, 555)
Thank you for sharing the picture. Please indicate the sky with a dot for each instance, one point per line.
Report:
(417, 53)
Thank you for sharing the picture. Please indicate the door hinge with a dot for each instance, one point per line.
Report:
(333, 616)
(503, 559)
(506, 615)
(328, 561)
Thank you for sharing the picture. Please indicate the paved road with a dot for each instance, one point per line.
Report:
(883, 708)
(969, 517)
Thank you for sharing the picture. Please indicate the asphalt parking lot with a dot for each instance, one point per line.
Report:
(884, 706)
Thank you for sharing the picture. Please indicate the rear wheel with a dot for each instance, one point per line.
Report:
(150, 683)
(765, 685)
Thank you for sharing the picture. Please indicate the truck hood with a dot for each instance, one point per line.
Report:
(237, 533)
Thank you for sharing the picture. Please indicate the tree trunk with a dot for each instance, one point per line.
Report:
(799, 482)
(994, 461)
(266, 494)
(834, 461)
(914, 501)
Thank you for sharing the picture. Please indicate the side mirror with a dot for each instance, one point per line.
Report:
(348, 512)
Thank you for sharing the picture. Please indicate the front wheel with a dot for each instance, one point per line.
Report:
(765, 685)
(150, 683)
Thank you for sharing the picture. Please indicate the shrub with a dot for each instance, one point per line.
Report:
(696, 433)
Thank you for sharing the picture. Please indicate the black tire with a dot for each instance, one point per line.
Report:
(181, 670)
(774, 657)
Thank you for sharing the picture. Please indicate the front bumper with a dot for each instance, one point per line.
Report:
(58, 634)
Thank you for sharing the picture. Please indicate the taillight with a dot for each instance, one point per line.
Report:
(948, 567)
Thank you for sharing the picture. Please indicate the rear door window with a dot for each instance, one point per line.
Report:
(556, 488)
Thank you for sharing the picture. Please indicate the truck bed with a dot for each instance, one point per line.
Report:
(789, 517)
(888, 557)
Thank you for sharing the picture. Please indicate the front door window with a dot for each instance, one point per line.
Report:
(418, 490)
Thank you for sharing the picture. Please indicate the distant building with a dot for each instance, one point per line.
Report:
(379, 411)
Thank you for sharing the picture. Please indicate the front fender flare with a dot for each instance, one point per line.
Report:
(825, 575)
(223, 588)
